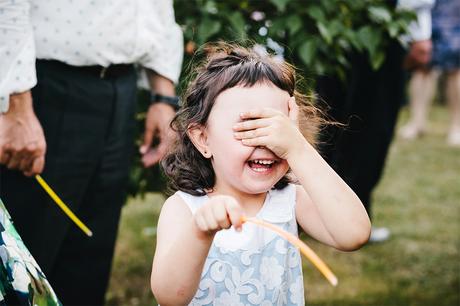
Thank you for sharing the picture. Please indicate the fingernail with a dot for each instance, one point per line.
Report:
(142, 149)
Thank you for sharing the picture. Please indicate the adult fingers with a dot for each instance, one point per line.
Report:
(5, 156)
(154, 155)
(26, 163)
(15, 160)
(37, 166)
(150, 158)
(149, 133)
(2, 153)
(30, 152)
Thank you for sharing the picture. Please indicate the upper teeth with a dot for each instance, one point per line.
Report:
(264, 162)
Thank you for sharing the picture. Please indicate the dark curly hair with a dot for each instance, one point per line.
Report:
(226, 66)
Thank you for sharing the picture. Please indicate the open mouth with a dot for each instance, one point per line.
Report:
(261, 165)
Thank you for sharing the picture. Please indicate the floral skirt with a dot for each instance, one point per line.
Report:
(21, 280)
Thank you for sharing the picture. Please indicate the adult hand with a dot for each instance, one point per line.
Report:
(419, 54)
(159, 116)
(22, 142)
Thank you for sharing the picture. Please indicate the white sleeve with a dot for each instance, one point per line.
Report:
(421, 28)
(167, 50)
(17, 50)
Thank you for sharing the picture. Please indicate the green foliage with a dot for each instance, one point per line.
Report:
(316, 36)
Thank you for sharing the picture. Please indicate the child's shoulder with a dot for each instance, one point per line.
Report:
(183, 199)
(174, 201)
(173, 211)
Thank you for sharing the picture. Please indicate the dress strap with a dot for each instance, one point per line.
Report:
(193, 202)
(281, 206)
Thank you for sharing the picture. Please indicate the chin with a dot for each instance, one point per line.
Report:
(260, 187)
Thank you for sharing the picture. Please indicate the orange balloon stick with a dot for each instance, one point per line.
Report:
(304, 249)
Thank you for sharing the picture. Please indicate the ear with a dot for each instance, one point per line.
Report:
(198, 136)
(293, 110)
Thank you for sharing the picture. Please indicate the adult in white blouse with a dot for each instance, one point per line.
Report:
(67, 76)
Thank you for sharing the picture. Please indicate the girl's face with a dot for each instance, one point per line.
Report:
(239, 168)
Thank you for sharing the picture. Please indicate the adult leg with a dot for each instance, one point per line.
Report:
(375, 101)
(422, 86)
(82, 267)
(74, 142)
(453, 100)
(330, 93)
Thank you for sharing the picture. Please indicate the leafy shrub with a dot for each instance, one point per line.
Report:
(316, 36)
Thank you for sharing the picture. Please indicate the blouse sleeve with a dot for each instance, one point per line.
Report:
(421, 28)
(17, 50)
(166, 52)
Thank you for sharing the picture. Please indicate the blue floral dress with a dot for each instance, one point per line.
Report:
(255, 266)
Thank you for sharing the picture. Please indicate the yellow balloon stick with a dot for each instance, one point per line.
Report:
(304, 249)
(64, 207)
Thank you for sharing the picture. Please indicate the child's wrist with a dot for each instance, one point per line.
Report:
(300, 151)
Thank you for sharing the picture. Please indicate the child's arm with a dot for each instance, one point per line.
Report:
(183, 242)
(327, 209)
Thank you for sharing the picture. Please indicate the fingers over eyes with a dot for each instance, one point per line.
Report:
(259, 113)
(255, 142)
(251, 124)
(251, 133)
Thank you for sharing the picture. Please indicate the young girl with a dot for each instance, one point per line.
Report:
(238, 138)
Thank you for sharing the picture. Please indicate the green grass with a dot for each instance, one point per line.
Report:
(418, 199)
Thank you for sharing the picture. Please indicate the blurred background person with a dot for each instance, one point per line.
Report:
(79, 59)
(445, 58)
(369, 104)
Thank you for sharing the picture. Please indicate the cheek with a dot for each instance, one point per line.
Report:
(284, 167)
(225, 146)
(230, 152)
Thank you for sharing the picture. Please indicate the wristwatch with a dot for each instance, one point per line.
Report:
(171, 100)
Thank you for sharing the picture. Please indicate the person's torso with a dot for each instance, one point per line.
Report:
(255, 266)
(96, 32)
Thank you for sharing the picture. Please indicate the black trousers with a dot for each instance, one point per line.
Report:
(88, 124)
(368, 103)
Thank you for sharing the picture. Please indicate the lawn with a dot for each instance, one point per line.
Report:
(418, 199)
